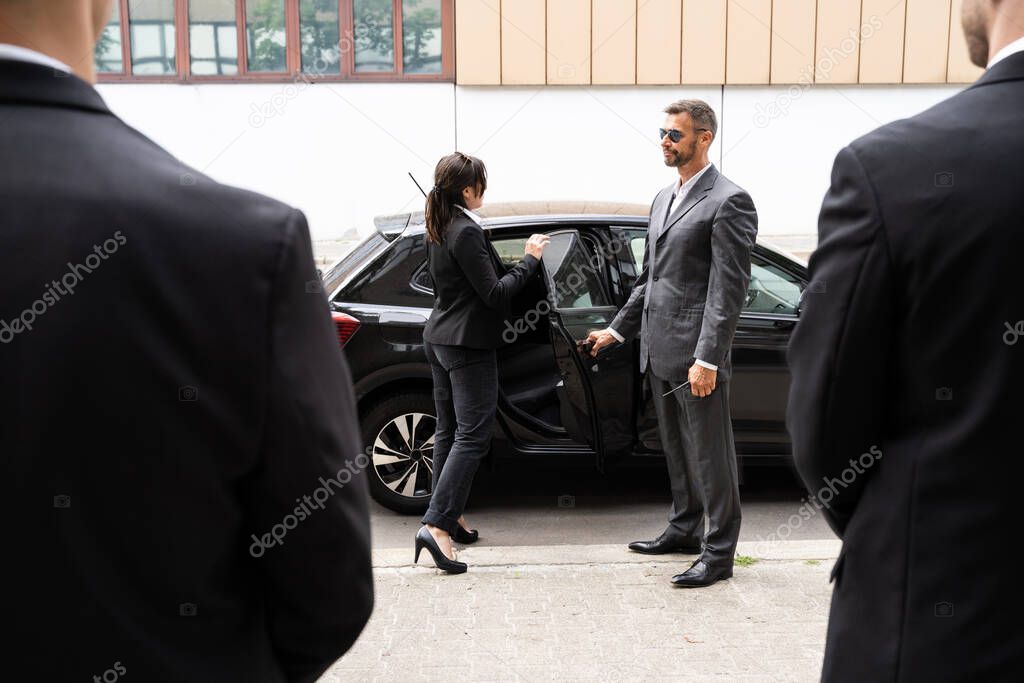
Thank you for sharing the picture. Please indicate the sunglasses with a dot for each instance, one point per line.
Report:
(674, 135)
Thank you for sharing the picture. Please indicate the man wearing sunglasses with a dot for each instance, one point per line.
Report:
(684, 307)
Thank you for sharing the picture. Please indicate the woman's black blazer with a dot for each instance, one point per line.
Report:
(471, 291)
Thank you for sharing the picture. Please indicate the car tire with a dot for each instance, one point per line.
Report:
(398, 435)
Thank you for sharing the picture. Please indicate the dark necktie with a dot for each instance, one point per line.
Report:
(668, 212)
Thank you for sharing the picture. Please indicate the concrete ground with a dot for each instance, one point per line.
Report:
(552, 593)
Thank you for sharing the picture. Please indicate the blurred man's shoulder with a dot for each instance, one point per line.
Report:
(906, 140)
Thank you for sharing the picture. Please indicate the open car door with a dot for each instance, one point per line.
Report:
(596, 395)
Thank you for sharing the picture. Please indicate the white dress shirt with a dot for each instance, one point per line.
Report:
(682, 189)
(24, 54)
(1011, 49)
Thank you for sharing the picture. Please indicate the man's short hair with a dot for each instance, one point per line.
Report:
(700, 111)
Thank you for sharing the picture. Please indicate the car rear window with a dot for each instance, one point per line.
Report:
(356, 259)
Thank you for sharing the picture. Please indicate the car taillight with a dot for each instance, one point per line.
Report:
(347, 326)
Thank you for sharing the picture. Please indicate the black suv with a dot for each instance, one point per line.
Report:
(554, 401)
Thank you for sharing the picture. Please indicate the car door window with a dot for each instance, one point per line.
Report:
(574, 273)
(771, 290)
(637, 244)
(510, 250)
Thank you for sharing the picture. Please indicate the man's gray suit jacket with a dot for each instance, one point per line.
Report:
(687, 301)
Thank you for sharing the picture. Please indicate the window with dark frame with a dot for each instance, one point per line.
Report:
(167, 41)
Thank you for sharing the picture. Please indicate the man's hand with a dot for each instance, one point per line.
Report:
(702, 380)
(600, 339)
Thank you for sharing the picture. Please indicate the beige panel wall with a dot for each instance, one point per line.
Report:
(749, 42)
(926, 52)
(478, 42)
(568, 42)
(703, 49)
(793, 27)
(658, 41)
(960, 69)
(710, 42)
(837, 48)
(523, 59)
(613, 50)
(881, 51)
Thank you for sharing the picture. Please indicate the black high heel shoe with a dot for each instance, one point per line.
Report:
(425, 540)
(465, 537)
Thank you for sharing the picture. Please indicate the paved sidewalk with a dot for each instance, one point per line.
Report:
(594, 613)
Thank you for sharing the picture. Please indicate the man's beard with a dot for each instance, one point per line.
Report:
(679, 159)
(973, 20)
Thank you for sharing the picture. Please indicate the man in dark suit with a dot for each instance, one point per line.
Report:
(181, 477)
(906, 379)
(685, 307)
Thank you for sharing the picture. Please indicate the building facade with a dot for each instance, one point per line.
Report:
(328, 104)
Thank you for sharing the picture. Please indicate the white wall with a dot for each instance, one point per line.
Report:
(340, 152)
(779, 143)
(571, 143)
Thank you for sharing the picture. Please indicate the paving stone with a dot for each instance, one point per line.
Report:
(616, 622)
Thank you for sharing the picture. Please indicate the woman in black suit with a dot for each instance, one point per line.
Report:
(471, 297)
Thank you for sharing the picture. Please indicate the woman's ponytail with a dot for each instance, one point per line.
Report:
(453, 173)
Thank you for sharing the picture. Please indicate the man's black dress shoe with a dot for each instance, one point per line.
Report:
(702, 574)
(666, 544)
(465, 537)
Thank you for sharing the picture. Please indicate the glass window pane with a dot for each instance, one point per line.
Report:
(771, 290)
(374, 35)
(264, 35)
(108, 47)
(421, 29)
(213, 37)
(318, 33)
(574, 283)
(151, 32)
(510, 250)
